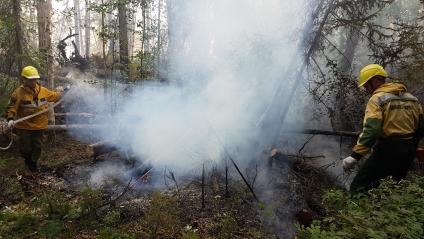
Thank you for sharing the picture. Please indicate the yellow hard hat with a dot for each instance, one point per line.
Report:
(30, 72)
(369, 72)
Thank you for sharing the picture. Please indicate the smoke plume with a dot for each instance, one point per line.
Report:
(226, 61)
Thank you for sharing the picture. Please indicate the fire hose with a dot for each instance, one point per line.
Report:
(29, 117)
(10, 143)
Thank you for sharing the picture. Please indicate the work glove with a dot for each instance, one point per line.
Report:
(10, 124)
(6, 127)
(349, 163)
(63, 89)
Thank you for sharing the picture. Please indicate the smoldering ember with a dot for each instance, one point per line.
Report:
(211, 119)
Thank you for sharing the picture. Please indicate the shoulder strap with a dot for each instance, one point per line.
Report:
(387, 97)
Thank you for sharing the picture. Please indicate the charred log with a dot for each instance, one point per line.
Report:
(100, 148)
(291, 131)
(76, 127)
(84, 115)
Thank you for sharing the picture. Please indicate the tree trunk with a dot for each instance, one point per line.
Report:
(148, 25)
(159, 40)
(44, 9)
(87, 29)
(342, 119)
(132, 22)
(176, 31)
(111, 33)
(32, 41)
(77, 22)
(352, 40)
(103, 37)
(18, 33)
(143, 38)
(123, 33)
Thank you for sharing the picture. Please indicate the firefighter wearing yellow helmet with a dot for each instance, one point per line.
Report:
(392, 126)
(28, 99)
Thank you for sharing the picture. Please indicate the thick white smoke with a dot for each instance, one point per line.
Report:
(227, 59)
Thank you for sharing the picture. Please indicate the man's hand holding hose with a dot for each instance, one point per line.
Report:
(63, 89)
(10, 124)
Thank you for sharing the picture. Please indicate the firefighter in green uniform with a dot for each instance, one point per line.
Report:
(28, 99)
(392, 126)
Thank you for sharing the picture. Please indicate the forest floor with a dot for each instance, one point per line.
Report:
(59, 202)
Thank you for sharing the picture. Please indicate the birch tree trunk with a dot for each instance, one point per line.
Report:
(159, 40)
(148, 25)
(87, 29)
(77, 23)
(102, 36)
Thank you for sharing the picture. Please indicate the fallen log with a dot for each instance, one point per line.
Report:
(291, 131)
(99, 148)
(85, 115)
(77, 127)
(321, 132)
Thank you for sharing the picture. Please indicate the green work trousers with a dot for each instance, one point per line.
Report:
(30, 146)
(390, 157)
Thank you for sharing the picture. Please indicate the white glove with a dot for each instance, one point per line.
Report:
(60, 88)
(10, 123)
(349, 163)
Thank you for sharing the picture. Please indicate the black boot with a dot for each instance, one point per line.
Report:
(32, 165)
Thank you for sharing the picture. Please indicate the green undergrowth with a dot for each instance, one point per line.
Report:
(8, 161)
(30, 209)
(393, 210)
(55, 214)
(10, 190)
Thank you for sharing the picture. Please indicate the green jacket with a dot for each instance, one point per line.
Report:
(391, 112)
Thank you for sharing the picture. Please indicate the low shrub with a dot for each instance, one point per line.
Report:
(393, 210)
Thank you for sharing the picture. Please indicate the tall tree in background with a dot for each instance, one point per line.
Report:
(44, 9)
(171, 10)
(336, 87)
(31, 8)
(87, 21)
(103, 34)
(123, 33)
(132, 24)
(159, 39)
(77, 23)
(144, 12)
(18, 33)
(341, 112)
